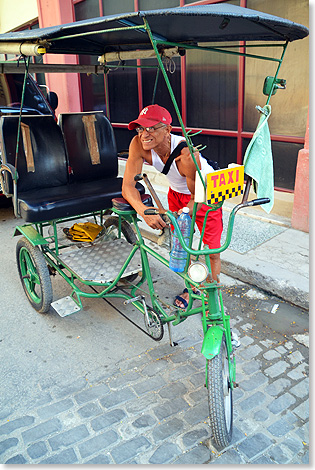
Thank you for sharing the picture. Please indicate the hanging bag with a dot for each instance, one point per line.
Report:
(176, 152)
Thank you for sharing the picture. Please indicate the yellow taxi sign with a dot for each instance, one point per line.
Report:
(224, 184)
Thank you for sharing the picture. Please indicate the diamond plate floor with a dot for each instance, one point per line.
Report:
(102, 262)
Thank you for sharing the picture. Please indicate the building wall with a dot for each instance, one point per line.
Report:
(24, 12)
(67, 86)
(74, 94)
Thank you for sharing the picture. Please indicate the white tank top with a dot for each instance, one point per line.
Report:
(176, 181)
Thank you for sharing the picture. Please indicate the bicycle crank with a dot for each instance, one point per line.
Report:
(142, 299)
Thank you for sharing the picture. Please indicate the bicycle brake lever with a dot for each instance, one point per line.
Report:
(166, 218)
(151, 212)
(163, 216)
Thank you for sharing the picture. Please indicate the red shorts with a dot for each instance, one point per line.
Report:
(214, 225)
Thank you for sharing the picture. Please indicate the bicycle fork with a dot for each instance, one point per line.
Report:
(215, 325)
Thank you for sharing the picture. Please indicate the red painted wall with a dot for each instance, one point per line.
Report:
(67, 86)
(300, 213)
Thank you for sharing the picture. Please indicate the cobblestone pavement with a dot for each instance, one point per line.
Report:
(152, 409)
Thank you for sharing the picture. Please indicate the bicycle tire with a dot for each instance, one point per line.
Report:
(111, 225)
(34, 275)
(220, 397)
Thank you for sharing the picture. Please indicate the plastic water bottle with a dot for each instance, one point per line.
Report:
(178, 256)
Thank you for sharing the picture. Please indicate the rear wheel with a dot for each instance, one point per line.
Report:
(111, 225)
(34, 275)
(220, 397)
(155, 328)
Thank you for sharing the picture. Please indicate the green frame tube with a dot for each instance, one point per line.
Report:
(209, 290)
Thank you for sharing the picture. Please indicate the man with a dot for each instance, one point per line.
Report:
(154, 144)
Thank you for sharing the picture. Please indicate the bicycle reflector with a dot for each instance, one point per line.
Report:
(198, 272)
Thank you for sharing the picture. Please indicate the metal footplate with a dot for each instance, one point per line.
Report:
(65, 306)
(102, 262)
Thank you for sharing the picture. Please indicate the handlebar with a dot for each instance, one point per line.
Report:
(151, 212)
(258, 202)
(206, 251)
(15, 176)
(11, 169)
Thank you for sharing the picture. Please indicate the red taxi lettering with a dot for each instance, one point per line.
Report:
(214, 180)
(222, 180)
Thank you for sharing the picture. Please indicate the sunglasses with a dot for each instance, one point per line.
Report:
(149, 129)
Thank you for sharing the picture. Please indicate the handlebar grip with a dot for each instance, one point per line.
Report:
(138, 177)
(259, 202)
(151, 212)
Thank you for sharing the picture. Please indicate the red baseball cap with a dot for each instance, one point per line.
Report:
(151, 115)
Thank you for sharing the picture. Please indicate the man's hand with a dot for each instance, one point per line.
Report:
(154, 221)
(190, 206)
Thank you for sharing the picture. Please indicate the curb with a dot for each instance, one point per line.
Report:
(272, 279)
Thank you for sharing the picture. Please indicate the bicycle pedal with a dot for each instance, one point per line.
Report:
(235, 340)
(134, 299)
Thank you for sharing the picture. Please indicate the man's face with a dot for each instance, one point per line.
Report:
(156, 136)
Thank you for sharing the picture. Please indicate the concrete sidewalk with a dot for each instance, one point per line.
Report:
(269, 254)
(264, 252)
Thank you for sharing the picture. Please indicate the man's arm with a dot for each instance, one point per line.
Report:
(129, 191)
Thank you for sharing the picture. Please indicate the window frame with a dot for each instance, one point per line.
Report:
(239, 134)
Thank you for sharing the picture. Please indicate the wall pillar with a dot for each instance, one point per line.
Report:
(300, 213)
(67, 86)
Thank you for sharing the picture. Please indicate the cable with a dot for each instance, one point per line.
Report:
(121, 313)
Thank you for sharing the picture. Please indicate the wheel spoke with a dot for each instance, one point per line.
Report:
(30, 269)
(36, 279)
(28, 263)
(155, 328)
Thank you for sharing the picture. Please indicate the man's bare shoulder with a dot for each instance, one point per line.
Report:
(137, 152)
(185, 163)
(135, 145)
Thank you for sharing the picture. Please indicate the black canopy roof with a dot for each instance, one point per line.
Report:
(192, 24)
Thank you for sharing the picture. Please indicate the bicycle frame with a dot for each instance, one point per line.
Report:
(211, 306)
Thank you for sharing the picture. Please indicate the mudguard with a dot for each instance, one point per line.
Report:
(212, 342)
(31, 234)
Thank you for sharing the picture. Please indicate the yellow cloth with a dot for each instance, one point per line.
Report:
(85, 232)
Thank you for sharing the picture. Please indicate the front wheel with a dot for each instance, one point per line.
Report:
(220, 397)
(34, 275)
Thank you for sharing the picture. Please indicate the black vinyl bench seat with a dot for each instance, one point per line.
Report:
(63, 171)
(122, 204)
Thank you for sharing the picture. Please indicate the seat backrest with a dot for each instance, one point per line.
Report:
(91, 146)
(41, 161)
